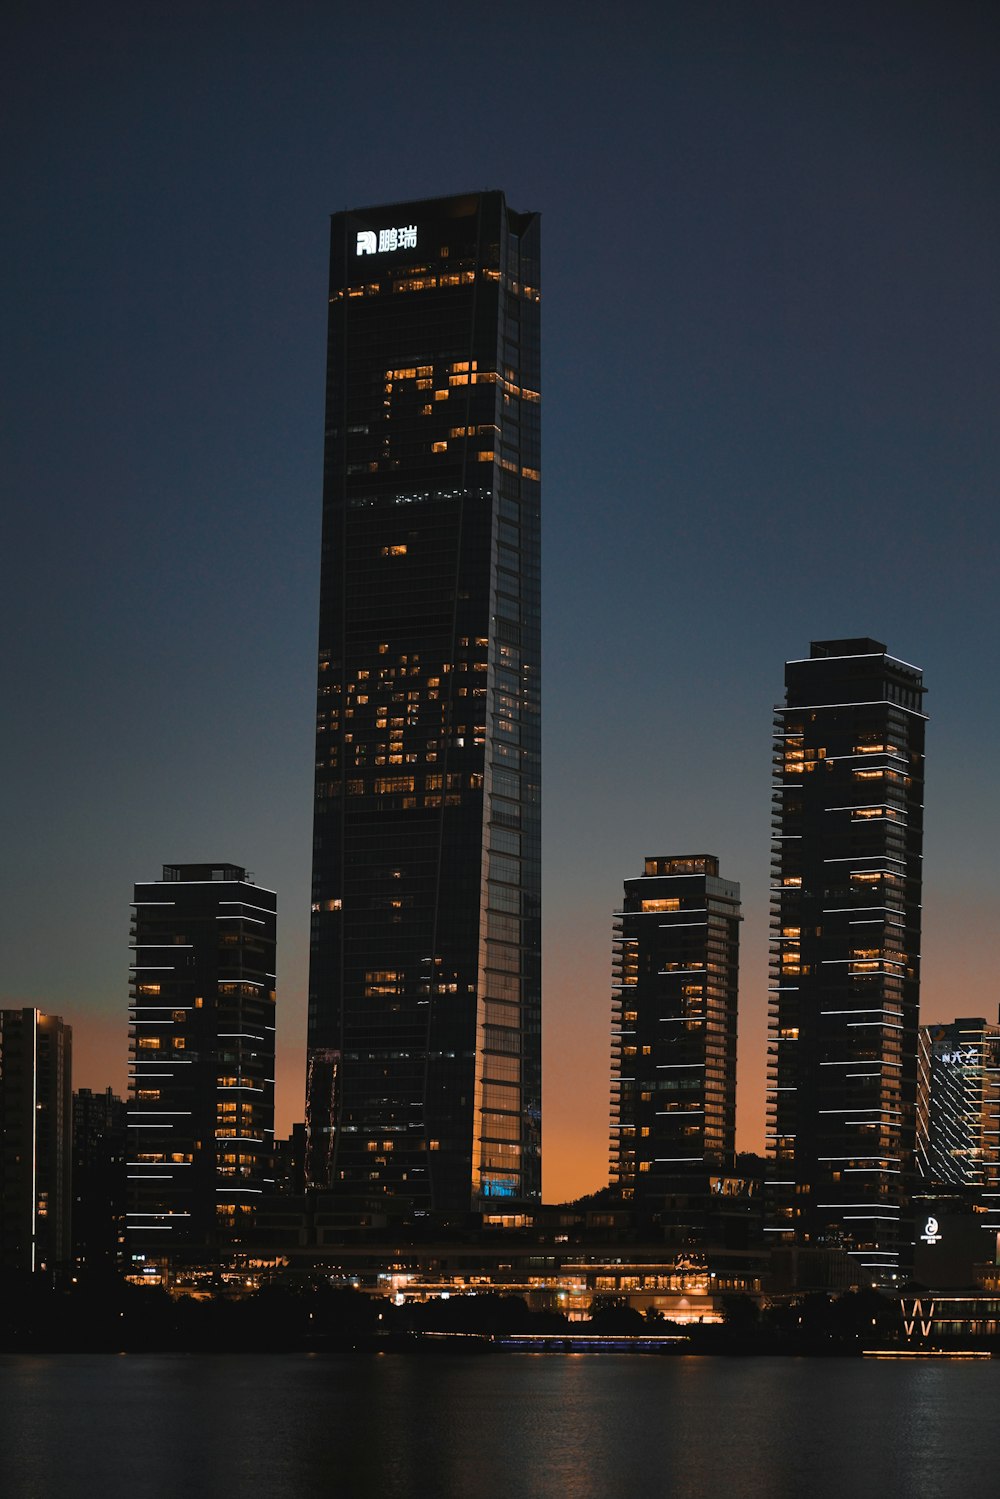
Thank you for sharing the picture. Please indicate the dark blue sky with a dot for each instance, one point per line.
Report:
(770, 415)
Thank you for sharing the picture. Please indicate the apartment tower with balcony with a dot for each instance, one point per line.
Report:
(200, 1122)
(845, 969)
(674, 1012)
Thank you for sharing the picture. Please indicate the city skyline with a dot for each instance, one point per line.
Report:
(769, 317)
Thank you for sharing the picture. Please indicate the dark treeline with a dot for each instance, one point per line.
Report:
(111, 1316)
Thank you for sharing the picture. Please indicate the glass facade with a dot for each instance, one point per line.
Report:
(958, 1111)
(201, 1058)
(424, 994)
(845, 960)
(676, 974)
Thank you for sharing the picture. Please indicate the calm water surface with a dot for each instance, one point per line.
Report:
(534, 1427)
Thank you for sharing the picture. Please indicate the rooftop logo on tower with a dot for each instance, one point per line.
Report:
(403, 238)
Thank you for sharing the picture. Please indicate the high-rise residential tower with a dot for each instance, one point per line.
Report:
(36, 1141)
(201, 1043)
(424, 992)
(845, 971)
(676, 974)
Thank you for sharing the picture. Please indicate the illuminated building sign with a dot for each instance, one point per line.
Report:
(932, 1232)
(403, 238)
(501, 1186)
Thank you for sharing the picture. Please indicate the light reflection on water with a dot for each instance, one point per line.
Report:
(530, 1426)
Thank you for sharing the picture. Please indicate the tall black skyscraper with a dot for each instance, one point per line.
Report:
(36, 1141)
(201, 1091)
(848, 795)
(676, 962)
(424, 994)
(99, 1175)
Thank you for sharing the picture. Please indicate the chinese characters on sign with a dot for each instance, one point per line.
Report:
(403, 238)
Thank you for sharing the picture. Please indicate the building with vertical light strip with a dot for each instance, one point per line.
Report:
(201, 1048)
(845, 965)
(676, 977)
(424, 1063)
(36, 1141)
